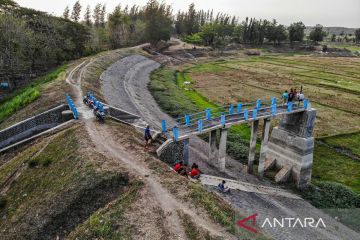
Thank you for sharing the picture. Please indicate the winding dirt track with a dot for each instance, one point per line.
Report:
(125, 84)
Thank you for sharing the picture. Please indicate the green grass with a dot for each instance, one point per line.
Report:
(23, 97)
(350, 142)
(223, 214)
(19, 101)
(38, 181)
(177, 99)
(106, 222)
(335, 167)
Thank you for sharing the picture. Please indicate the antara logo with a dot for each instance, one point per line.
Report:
(281, 222)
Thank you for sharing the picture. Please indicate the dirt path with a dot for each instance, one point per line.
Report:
(125, 86)
(106, 143)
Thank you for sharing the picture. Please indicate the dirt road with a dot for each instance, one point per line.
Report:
(124, 85)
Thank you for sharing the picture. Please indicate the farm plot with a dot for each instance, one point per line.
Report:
(332, 85)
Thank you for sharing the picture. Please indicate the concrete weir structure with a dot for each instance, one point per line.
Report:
(289, 147)
(35, 125)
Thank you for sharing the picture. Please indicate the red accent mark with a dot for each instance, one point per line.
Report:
(241, 223)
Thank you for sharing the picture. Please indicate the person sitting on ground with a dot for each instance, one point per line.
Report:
(195, 173)
(184, 170)
(178, 166)
(223, 188)
(148, 137)
(285, 96)
(194, 165)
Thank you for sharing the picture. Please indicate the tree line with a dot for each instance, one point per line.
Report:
(34, 42)
(217, 30)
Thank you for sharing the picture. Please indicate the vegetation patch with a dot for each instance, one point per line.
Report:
(337, 200)
(61, 190)
(106, 222)
(23, 97)
(177, 98)
(192, 231)
(332, 166)
(346, 142)
(222, 213)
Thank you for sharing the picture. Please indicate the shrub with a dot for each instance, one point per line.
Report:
(331, 195)
(46, 162)
(33, 163)
(2, 202)
(194, 39)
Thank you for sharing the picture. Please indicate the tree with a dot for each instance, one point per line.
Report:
(192, 25)
(357, 35)
(66, 12)
(102, 16)
(158, 19)
(296, 32)
(75, 15)
(96, 14)
(333, 37)
(118, 28)
(317, 34)
(87, 16)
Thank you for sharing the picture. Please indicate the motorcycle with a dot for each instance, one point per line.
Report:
(100, 115)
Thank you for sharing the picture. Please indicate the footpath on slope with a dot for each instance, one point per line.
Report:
(103, 138)
(124, 85)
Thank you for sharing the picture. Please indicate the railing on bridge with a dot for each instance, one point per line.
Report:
(211, 117)
(72, 106)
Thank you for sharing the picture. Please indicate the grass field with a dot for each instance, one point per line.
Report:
(331, 84)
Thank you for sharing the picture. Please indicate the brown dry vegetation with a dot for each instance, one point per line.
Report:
(332, 85)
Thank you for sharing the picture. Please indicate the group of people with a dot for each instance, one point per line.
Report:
(194, 172)
(292, 96)
(184, 170)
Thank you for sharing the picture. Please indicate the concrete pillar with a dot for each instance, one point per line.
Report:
(264, 146)
(222, 149)
(292, 145)
(252, 149)
(212, 147)
(186, 151)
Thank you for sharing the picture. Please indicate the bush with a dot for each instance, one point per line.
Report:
(46, 162)
(2, 202)
(33, 163)
(331, 195)
(194, 39)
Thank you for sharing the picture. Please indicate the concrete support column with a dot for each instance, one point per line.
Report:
(212, 147)
(222, 149)
(264, 147)
(254, 130)
(186, 151)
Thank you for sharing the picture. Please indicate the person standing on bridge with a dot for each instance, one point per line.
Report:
(285, 96)
(148, 137)
(291, 96)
